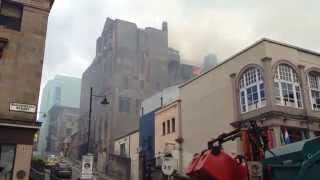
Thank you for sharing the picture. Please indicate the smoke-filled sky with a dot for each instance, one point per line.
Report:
(196, 27)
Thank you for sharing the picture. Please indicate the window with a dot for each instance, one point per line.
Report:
(3, 43)
(138, 104)
(10, 14)
(314, 86)
(123, 149)
(57, 95)
(125, 82)
(168, 127)
(291, 135)
(252, 91)
(163, 128)
(287, 86)
(141, 84)
(7, 156)
(124, 104)
(1, 52)
(173, 122)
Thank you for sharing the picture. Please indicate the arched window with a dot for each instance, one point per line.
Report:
(314, 84)
(287, 86)
(252, 92)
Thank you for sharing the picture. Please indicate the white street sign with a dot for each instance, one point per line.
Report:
(169, 166)
(23, 107)
(87, 167)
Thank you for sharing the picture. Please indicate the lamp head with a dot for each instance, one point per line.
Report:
(105, 101)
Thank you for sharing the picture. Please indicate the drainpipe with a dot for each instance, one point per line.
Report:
(180, 136)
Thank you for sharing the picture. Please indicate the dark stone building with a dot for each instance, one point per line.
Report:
(23, 27)
(130, 65)
(63, 123)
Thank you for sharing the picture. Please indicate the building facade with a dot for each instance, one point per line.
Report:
(272, 83)
(128, 147)
(23, 26)
(63, 124)
(168, 135)
(149, 149)
(59, 91)
(130, 64)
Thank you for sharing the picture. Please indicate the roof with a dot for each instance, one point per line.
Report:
(248, 48)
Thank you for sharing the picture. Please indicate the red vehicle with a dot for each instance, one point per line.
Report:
(215, 164)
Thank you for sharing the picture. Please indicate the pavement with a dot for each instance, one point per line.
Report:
(76, 173)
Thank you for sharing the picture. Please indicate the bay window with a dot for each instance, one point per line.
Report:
(252, 90)
(314, 86)
(287, 86)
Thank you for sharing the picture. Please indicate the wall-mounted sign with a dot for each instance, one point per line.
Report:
(169, 166)
(23, 107)
(87, 167)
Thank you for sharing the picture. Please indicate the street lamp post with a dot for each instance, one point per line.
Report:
(103, 102)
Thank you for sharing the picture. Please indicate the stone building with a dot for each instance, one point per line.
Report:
(272, 83)
(130, 65)
(23, 26)
(62, 124)
(150, 137)
(128, 147)
(59, 91)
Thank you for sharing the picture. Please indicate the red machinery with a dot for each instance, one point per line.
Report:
(215, 164)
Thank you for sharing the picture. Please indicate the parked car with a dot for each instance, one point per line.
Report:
(52, 160)
(62, 169)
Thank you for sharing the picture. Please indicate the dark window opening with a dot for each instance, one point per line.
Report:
(126, 82)
(173, 122)
(1, 53)
(168, 126)
(11, 15)
(163, 128)
(291, 135)
(57, 95)
(158, 85)
(124, 104)
(138, 104)
(141, 84)
(123, 149)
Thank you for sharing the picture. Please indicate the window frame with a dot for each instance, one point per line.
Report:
(122, 107)
(168, 127)
(313, 100)
(173, 125)
(289, 79)
(17, 5)
(250, 82)
(122, 148)
(163, 128)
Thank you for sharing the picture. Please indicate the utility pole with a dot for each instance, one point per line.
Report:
(89, 122)
(103, 102)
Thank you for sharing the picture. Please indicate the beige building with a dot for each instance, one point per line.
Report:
(128, 147)
(167, 128)
(168, 133)
(23, 26)
(273, 83)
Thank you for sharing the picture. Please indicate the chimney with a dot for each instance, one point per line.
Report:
(164, 26)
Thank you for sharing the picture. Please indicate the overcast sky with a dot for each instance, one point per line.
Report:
(196, 27)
